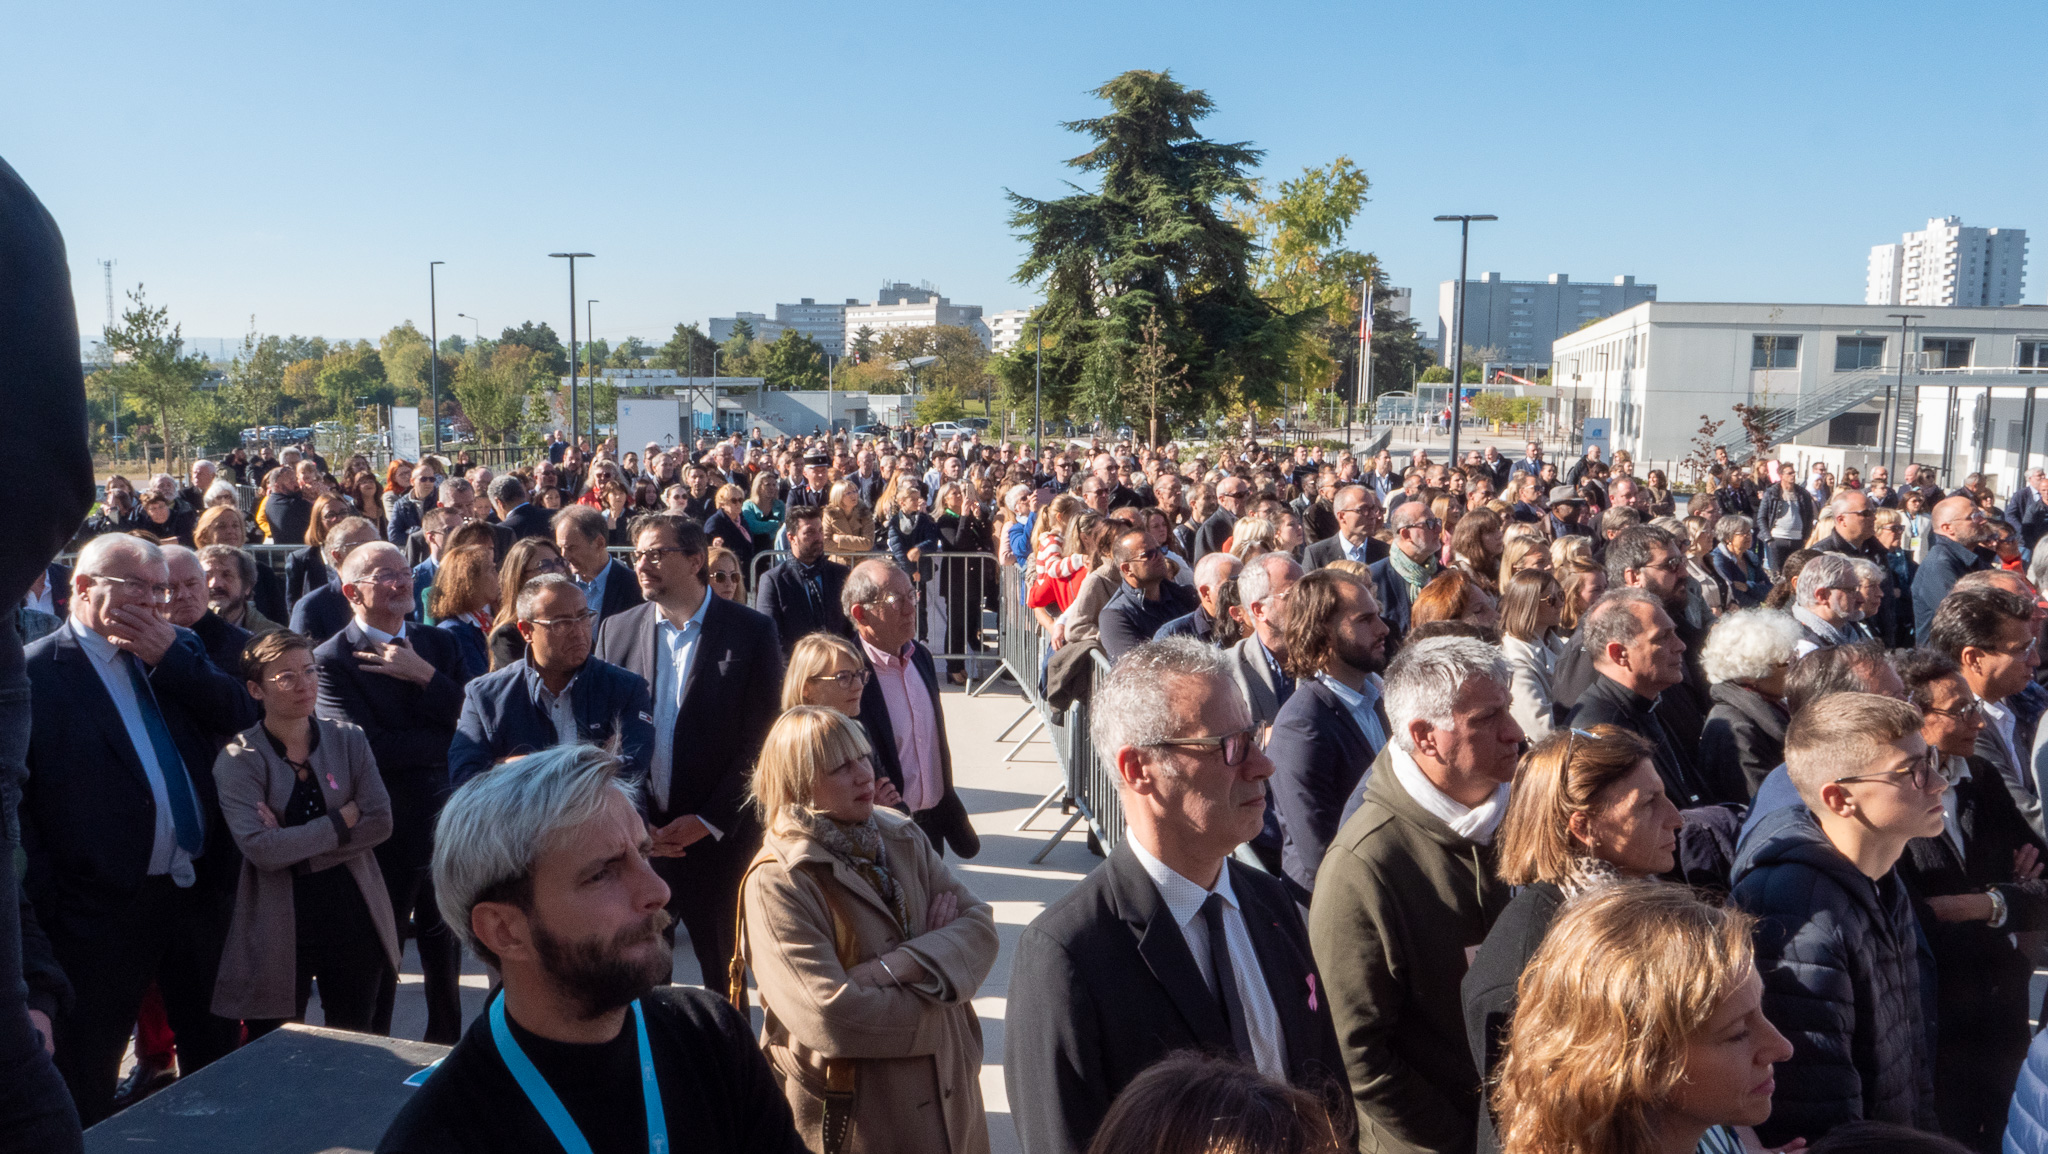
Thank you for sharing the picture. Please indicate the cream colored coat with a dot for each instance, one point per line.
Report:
(919, 1087)
(258, 975)
(849, 532)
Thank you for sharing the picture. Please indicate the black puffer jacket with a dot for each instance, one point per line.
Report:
(1845, 978)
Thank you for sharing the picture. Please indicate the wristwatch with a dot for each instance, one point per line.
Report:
(1998, 907)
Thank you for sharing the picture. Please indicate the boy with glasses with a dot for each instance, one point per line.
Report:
(1837, 941)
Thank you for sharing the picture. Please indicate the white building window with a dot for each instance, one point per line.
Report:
(1773, 351)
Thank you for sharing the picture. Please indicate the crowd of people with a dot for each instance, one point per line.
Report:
(1466, 807)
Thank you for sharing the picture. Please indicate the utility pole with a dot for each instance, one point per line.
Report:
(571, 258)
(1891, 449)
(590, 332)
(434, 354)
(1038, 396)
(1458, 327)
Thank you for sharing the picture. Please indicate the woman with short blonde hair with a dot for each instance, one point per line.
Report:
(867, 951)
(811, 676)
(1640, 1030)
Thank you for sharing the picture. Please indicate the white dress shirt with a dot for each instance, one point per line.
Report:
(675, 654)
(111, 663)
(1184, 900)
(1360, 706)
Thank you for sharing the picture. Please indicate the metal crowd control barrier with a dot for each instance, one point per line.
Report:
(1087, 789)
(958, 609)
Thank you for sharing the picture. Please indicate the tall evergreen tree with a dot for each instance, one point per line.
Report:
(1155, 233)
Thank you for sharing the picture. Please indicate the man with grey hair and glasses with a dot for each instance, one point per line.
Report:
(543, 867)
(1828, 605)
(1171, 945)
(1411, 564)
(131, 868)
(1408, 891)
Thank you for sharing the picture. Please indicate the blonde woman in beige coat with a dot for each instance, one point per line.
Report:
(867, 952)
(305, 804)
(849, 525)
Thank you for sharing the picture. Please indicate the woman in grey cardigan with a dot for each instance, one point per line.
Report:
(302, 797)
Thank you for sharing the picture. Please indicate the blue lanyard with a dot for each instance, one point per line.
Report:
(551, 1109)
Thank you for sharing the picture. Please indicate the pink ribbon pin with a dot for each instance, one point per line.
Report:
(1311, 992)
(336, 787)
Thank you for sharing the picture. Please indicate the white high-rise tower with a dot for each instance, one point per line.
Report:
(1947, 264)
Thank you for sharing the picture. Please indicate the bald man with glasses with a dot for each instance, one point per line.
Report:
(1232, 496)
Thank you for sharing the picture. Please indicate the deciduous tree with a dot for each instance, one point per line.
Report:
(688, 351)
(493, 390)
(791, 361)
(154, 369)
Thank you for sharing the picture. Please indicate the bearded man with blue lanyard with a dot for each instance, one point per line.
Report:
(542, 866)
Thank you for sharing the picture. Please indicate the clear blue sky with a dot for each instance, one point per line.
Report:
(303, 163)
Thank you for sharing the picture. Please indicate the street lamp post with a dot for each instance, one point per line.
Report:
(1038, 396)
(476, 327)
(590, 398)
(1458, 327)
(1891, 448)
(571, 258)
(434, 355)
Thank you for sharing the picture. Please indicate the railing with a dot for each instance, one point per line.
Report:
(1087, 789)
(954, 592)
(1810, 409)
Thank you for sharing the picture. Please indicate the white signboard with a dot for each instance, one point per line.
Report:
(1596, 431)
(405, 433)
(649, 419)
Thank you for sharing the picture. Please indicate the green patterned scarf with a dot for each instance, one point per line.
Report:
(858, 846)
(1415, 573)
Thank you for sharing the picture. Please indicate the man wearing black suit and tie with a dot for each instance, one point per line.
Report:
(608, 587)
(801, 595)
(1358, 517)
(715, 667)
(326, 611)
(131, 868)
(402, 686)
(1170, 945)
(508, 499)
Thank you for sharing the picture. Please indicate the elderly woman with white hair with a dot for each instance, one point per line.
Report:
(1746, 658)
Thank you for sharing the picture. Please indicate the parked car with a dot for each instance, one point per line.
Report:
(949, 429)
(871, 430)
(975, 422)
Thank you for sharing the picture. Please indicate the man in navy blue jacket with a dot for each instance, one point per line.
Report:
(558, 694)
(402, 686)
(1959, 531)
(801, 595)
(326, 611)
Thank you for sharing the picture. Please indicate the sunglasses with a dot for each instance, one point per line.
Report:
(1234, 745)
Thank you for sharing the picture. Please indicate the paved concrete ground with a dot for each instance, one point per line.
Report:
(998, 794)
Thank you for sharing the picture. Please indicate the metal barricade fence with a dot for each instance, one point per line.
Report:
(1087, 789)
(959, 614)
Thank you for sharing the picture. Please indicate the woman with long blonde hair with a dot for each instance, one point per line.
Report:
(1640, 1031)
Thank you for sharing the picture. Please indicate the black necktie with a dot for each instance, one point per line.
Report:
(1226, 977)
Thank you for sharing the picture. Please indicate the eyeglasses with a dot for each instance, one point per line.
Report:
(389, 578)
(1972, 709)
(161, 594)
(292, 680)
(722, 576)
(1669, 565)
(1147, 554)
(845, 678)
(1234, 745)
(1922, 773)
(893, 600)
(548, 565)
(575, 621)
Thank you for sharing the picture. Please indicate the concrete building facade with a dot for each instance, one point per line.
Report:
(766, 328)
(1006, 328)
(1520, 318)
(1949, 265)
(1655, 369)
(904, 306)
(823, 323)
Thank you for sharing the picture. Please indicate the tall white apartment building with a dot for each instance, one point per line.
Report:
(1948, 265)
(823, 323)
(1006, 328)
(903, 306)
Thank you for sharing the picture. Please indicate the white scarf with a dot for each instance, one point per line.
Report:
(1476, 824)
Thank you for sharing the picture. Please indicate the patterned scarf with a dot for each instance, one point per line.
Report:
(1415, 573)
(858, 846)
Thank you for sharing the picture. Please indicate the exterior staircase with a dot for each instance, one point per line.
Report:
(1812, 408)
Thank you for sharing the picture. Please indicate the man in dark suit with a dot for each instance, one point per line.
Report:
(715, 670)
(801, 594)
(520, 709)
(1171, 945)
(402, 686)
(1358, 518)
(39, 324)
(1417, 536)
(1146, 601)
(900, 705)
(1210, 574)
(326, 611)
(287, 509)
(1335, 723)
(816, 488)
(1959, 545)
(189, 610)
(608, 587)
(1232, 493)
(412, 507)
(508, 498)
(131, 868)
(1987, 632)
(1637, 656)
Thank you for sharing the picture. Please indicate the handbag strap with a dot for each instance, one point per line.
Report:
(841, 1074)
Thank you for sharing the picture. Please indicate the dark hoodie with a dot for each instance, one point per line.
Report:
(1846, 977)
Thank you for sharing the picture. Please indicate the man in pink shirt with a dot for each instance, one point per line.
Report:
(900, 705)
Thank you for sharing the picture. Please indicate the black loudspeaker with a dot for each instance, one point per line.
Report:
(297, 1090)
